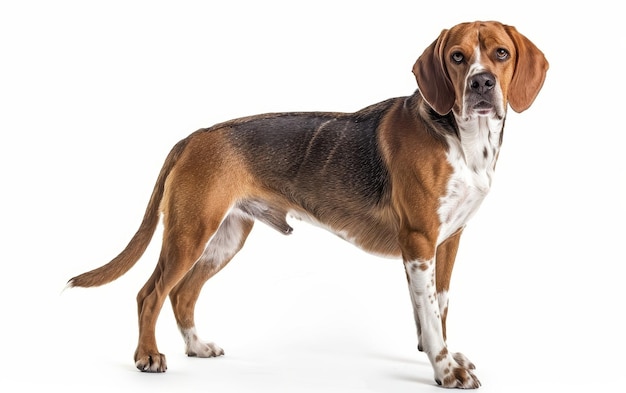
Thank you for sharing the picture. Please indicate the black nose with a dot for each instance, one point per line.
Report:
(482, 83)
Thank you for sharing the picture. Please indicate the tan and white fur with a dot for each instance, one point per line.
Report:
(400, 178)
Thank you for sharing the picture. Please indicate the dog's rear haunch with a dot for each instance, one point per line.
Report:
(400, 178)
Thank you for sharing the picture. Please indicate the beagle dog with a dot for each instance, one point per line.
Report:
(400, 178)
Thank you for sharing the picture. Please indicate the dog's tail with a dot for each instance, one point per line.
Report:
(138, 244)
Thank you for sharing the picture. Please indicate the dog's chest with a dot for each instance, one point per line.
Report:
(473, 160)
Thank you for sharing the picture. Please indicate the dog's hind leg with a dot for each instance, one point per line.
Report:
(226, 242)
(186, 232)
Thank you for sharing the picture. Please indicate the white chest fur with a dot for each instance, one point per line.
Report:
(473, 158)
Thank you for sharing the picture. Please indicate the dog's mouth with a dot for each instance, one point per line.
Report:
(483, 108)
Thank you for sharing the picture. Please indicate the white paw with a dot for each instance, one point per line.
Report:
(204, 350)
(198, 348)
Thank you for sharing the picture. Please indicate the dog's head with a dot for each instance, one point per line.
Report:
(477, 68)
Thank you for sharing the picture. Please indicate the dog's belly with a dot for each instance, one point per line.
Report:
(376, 236)
(373, 231)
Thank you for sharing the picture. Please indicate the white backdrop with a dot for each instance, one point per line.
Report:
(93, 96)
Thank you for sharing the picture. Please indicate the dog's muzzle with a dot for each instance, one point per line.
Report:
(482, 94)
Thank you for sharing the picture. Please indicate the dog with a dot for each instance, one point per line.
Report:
(400, 179)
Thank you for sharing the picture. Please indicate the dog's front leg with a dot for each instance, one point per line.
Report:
(420, 264)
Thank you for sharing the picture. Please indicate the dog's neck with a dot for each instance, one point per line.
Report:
(479, 139)
(473, 142)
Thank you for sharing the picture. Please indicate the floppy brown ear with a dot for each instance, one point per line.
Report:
(432, 77)
(530, 72)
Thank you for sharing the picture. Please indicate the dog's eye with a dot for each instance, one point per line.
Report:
(457, 57)
(502, 54)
